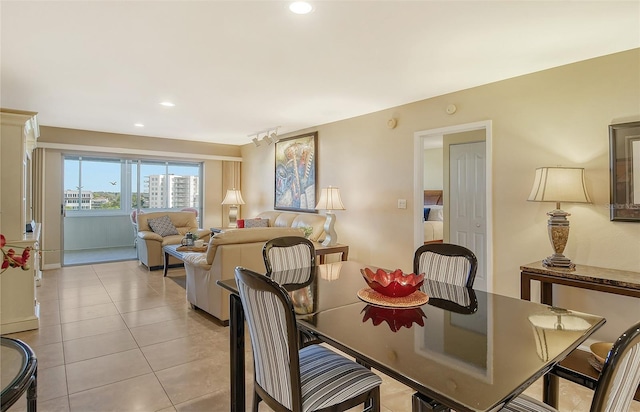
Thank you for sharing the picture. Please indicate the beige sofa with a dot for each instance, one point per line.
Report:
(226, 250)
(297, 220)
(150, 244)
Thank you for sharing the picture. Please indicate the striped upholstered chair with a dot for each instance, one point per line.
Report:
(617, 383)
(287, 378)
(288, 252)
(446, 262)
(284, 254)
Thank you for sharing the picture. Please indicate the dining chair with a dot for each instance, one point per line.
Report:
(288, 252)
(616, 385)
(282, 254)
(446, 262)
(287, 378)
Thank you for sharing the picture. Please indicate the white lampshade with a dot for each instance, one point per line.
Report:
(233, 197)
(559, 184)
(330, 199)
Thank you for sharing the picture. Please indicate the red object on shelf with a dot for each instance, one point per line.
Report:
(240, 223)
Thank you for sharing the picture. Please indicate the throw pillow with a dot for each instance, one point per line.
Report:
(163, 226)
(256, 223)
(436, 213)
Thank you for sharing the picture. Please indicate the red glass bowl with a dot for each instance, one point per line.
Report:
(393, 284)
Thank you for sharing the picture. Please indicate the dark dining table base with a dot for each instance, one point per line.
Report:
(237, 347)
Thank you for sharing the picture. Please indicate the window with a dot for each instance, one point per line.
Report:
(94, 185)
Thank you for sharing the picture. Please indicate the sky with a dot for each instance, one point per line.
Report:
(106, 176)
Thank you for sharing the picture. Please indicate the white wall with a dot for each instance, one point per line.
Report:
(554, 117)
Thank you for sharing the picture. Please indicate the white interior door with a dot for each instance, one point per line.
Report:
(467, 198)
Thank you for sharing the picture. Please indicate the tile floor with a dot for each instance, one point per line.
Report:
(115, 337)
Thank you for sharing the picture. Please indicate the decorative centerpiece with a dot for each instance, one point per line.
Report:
(394, 284)
(394, 289)
(10, 258)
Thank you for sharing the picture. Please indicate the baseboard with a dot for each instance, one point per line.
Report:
(51, 266)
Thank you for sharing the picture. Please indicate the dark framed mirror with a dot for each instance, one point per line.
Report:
(624, 144)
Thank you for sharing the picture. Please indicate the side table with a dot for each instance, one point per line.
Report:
(322, 250)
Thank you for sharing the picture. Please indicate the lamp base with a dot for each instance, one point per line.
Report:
(331, 237)
(233, 216)
(558, 260)
(558, 228)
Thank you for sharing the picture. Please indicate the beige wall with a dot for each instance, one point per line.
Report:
(554, 117)
(213, 157)
(433, 176)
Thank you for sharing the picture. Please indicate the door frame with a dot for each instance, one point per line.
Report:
(418, 184)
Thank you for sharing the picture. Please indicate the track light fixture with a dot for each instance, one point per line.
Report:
(270, 136)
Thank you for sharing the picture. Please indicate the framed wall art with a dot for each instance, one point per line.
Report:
(624, 141)
(295, 173)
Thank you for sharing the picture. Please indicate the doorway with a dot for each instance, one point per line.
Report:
(480, 245)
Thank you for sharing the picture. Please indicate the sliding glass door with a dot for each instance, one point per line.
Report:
(100, 194)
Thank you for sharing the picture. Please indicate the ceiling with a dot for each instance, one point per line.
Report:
(234, 68)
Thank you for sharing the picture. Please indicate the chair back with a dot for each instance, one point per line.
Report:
(273, 330)
(620, 374)
(288, 252)
(446, 262)
(454, 298)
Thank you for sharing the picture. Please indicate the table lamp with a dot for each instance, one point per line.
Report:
(559, 184)
(329, 201)
(233, 198)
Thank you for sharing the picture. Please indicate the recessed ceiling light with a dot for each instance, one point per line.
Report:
(167, 104)
(300, 7)
(138, 125)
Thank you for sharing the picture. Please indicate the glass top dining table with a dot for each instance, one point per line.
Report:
(465, 349)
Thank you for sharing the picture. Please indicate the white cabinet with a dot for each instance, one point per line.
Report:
(19, 309)
(18, 137)
(19, 132)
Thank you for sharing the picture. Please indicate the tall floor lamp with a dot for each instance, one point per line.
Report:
(559, 184)
(330, 201)
(233, 198)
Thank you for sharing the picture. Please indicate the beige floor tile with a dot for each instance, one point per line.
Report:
(74, 293)
(136, 292)
(46, 294)
(142, 393)
(98, 345)
(49, 317)
(194, 379)
(85, 300)
(132, 305)
(83, 328)
(154, 315)
(215, 402)
(49, 355)
(79, 283)
(164, 331)
(183, 350)
(44, 335)
(92, 373)
(88, 312)
(60, 404)
(52, 383)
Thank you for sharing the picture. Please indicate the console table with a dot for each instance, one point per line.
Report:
(575, 367)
